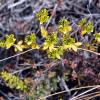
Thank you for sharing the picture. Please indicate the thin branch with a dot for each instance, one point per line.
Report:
(96, 53)
(16, 55)
(5, 95)
(15, 4)
(54, 10)
(64, 85)
(21, 70)
(30, 66)
(87, 96)
(84, 92)
(73, 4)
(96, 95)
(73, 89)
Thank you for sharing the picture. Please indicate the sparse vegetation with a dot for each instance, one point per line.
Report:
(62, 58)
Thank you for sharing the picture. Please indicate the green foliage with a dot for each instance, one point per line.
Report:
(66, 40)
(44, 33)
(2, 44)
(19, 46)
(82, 22)
(69, 43)
(42, 16)
(86, 27)
(55, 43)
(13, 81)
(97, 37)
(8, 41)
(50, 41)
(63, 26)
(55, 53)
(30, 39)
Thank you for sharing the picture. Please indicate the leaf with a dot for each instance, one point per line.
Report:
(51, 47)
(66, 46)
(2, 44)
(57, 55)
(82, 22)
(8, 45)
(34, 46)
(97, 37)
(31, 38)
(63, 26)
(45, 46)
(42, 16)
(78, 43)
(74, 48)
(29, 43)
(87, 28)
(84, 31)
(19, 46)
(10, 40)
(44, 33)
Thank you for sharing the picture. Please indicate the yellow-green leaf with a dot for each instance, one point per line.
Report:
(58, 56)
(97, 37)
(78, 43)
(74, 48)
(66, 46)
(84, 31)
(19, 46)
(44, 33)
(82, 22)
(35, 46)
(51, 47)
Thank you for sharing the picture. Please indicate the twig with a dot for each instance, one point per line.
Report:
(21, 70)
(84, 93)
(6, 96)
(73, 4)
(96, 95)
(16, 55)
(35, 65)
(73, 89)
(89, 11)
(90, 1)
(54, 10)
(51, 65)
(64, 85)
(91, 95)
(15, 4)
(96, 53)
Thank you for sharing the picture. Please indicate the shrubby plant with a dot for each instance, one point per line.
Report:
(13, 81)
(53, 44)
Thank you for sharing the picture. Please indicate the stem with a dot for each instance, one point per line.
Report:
(73, 89)
(85, 92)
(16, 55)
(96, 53)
